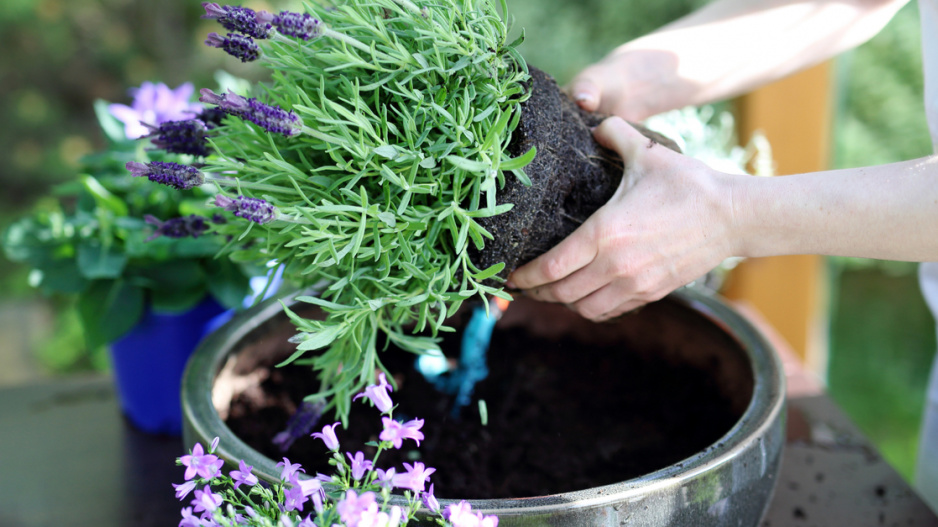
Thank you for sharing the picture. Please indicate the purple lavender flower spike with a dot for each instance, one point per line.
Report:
(298, 25)
(211, 117)
(415, 477)
(180, 137)
(271, 118)
(238, 46)
(181, 227)
(253, 209)
(178, 176)
(238, 19)
(378, 394)
(299, 424)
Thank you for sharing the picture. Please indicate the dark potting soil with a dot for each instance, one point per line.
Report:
(571, 177)
(561, 417)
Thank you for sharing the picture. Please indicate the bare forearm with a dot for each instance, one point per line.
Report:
(885, 212)
(732, 46)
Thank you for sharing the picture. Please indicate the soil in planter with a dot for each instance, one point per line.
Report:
(561, 416)
(571, 177)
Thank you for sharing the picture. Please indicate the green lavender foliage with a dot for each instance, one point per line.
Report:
(407, 114)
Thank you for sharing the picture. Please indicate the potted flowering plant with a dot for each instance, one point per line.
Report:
(137, 257)
(402, 159)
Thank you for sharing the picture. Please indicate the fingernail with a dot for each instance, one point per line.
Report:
(583, 97)
(510, 285)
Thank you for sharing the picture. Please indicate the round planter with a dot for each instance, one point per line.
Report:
(728, 483)
(149, 360)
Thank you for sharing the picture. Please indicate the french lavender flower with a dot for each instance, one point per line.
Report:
(300, 423)
(297, 25)
(415, 477)
(328, 437)
(243, 475)
(206, 500)
(271, 118)
(359, 464)
(378, 394)
(253, 209)
(182, 227)
(211, 117)
(178, 176)
(180, 137)
(154, 103)
(238, 46)
(198, 462)
(238, 19)
(396, 432)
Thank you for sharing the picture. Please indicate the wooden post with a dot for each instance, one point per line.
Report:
(790, 291)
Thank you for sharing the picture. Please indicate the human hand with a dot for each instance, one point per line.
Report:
(633, 85)
(668, 223)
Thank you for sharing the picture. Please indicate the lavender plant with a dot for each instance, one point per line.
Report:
(363, 165)
(357, 495)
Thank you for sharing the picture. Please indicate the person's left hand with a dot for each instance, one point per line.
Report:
(668, 224)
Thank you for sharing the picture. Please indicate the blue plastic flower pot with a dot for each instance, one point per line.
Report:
(148, 363)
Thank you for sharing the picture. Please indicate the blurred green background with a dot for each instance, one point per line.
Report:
(62, 55)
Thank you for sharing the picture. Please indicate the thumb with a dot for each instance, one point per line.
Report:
(585, 92)
(616, 134)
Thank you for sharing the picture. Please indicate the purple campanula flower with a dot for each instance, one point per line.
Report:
(271, 118)
(154, 103)
(289, 470)
(238, 19)
(253, 209)
(297, 25)
(359, 465)
(396, 432)
(372, 516)
(293, 498)
(430, 501)
(328, 437)
(415, 477)
(243, 475)
(198, 462)
(350, 508)
(188, 519)
(238, 46)
(180, 137)
(182, 227)
(384, 479)
(178, 176)
(183, 490)
(378, 394)
(310, 488)
(300, 423)
(461, 515)
(206, 500)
